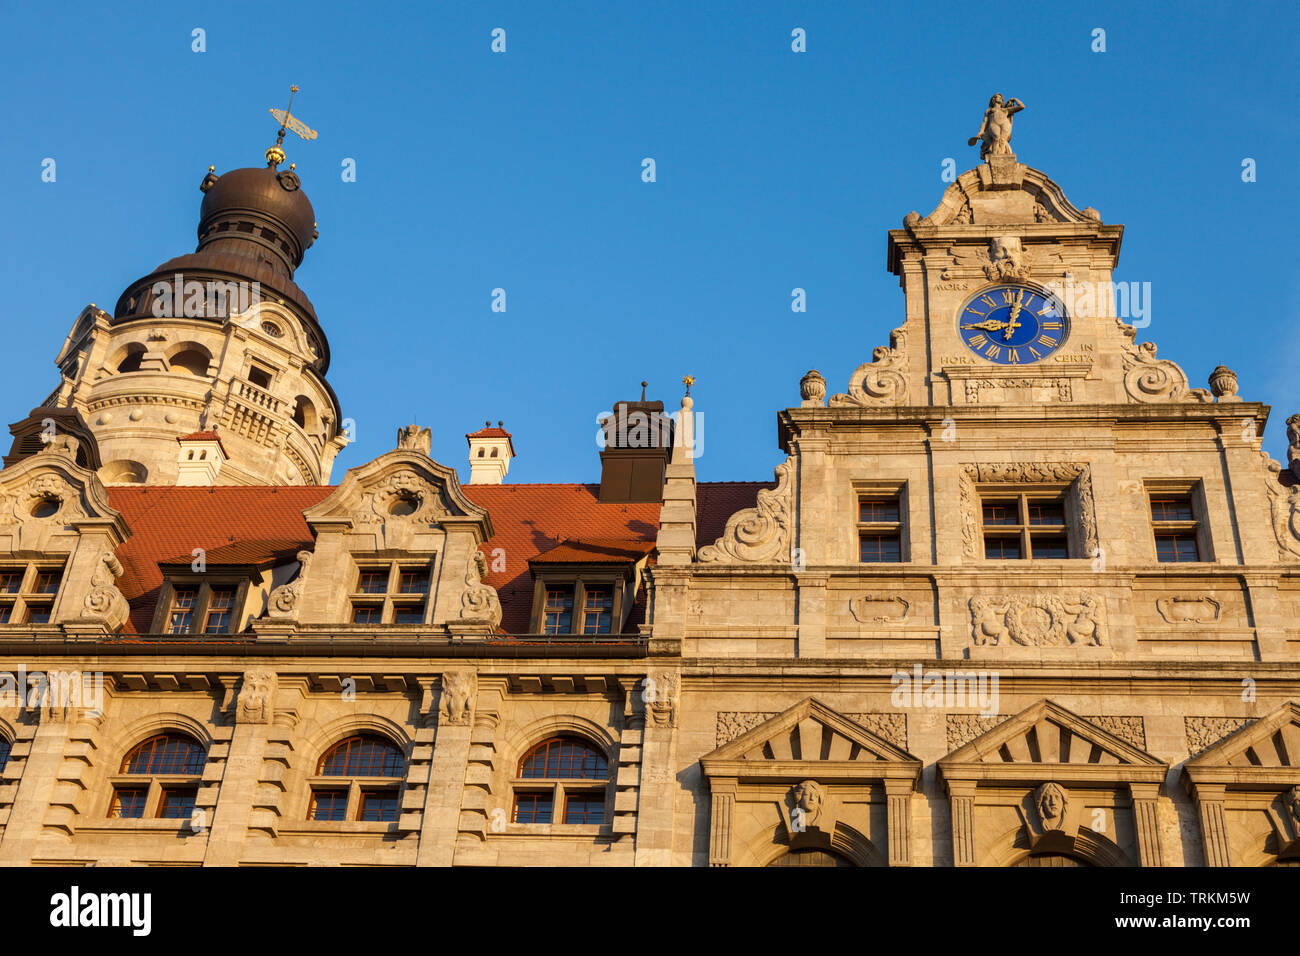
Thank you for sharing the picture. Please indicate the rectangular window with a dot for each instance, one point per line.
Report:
(1024, 526)
(220, 606)
(372, 581)
(533, 807)
(11, 580)
(38, 614)
(128, 803)
(367, 614)
(597, 611)
(1002, 548)
(584, 807)
(1173, 521)
(559, 612)
(47, 581)
(408, 613)
(413, 581)
(177, 803)
(378, 805)
(6, 613)
(329, 805)
(182, 616)
(880, 529)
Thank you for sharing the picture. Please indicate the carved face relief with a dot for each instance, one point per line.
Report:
(1050, 800)
(809, 796)
(255, 697)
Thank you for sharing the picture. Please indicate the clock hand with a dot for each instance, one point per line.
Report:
(1012, 324)
(989, 325)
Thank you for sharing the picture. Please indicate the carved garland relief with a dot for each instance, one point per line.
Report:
(1043, 620)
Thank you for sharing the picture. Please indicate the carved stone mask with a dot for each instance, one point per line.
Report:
(1050, 800)
(1291, 800)
(809, 797)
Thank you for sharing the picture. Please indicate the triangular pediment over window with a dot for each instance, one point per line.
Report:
(1046, 741)
(810, 739)
(1266, 751)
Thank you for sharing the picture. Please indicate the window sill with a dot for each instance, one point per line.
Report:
(317, 827)
(177, 825)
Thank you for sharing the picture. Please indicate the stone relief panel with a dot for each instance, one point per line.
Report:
(880, 609)
(883, 380)
(1039, 620)
(888, 726)
(1204, 732)
(1084, 510)
(1018, 390)
(1189, 610)
(762, 533)
(963, 728)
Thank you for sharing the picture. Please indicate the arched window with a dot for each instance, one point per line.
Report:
(191, 361)
(159, 778)
(5, 747)
(574, 771)
(371, 768)
(811, 856)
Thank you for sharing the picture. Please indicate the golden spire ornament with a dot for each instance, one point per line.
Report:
(287, 121)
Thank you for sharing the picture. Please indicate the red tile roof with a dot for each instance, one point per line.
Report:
(261, 525)
(532, 519)
(489, 433)
(206, 436)
(596, 551)
(168, 523)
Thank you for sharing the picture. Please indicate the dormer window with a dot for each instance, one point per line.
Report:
(585, 588)
(193, 605)
(394, 592)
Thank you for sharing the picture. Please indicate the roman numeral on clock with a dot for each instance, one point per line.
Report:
(1048, 341)
(988, 300)
(1052, 325)
(978, 341)
(993, 351)
(1008, 296)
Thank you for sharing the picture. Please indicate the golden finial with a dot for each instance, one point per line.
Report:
(688, 381)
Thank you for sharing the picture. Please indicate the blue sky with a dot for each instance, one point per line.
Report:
(523, 171)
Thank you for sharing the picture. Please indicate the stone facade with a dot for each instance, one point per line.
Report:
(765, 694)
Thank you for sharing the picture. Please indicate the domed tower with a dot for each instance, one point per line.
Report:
(221, 342)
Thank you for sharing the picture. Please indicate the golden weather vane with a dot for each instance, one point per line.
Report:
(287, 121)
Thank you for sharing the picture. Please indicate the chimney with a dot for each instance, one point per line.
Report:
(490, 451)
(638, 440)
(200, 459)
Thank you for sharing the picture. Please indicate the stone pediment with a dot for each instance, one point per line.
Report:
(1006, 193)
(48, 494)
(810, 740)
(1048, 742)
(406, 488)
(1268, 749)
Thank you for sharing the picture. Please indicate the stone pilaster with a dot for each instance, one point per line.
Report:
(446, 790)
(35, 791)
(724, 806)
(655, 815)
(812, 615)
(1214, 835)
(1145, 823)
(898, 811)
(961, 794)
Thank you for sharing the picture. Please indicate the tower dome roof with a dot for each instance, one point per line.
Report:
(264, 206)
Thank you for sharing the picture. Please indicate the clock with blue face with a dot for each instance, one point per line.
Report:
(1012, 325)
